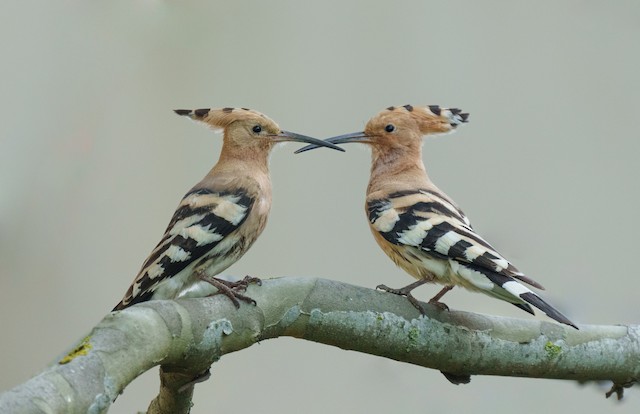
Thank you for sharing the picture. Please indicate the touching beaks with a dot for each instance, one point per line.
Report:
(287, 136)
(340, 139)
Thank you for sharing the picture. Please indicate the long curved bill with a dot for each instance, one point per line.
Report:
(340, 139)
(287, 136)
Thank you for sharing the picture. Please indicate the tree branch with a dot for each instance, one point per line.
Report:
(186, 336)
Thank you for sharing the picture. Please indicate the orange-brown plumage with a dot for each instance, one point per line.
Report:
(417, 225)
(219, 219)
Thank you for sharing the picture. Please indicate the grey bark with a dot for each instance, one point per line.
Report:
(186, 336)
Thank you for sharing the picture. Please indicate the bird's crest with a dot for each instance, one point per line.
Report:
(222, 118)
(429, 119)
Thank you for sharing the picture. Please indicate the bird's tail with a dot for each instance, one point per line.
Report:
(522, 297)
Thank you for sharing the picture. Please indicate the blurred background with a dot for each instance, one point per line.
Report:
(93, 162)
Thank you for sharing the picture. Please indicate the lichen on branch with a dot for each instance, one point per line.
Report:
(188, 335)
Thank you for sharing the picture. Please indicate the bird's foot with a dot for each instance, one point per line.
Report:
(406, 292)
(440, 305)
(233, 290)
(435, 301)
(242, 284)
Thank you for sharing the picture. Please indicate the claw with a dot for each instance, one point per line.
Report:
(406, 292)
(232, 290)
(250, 279)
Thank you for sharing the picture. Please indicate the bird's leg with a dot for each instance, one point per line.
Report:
(436, 299)
(232, 290)
(406, 291)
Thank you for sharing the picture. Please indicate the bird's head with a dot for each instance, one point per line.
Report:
(399, 127)
(248, 129)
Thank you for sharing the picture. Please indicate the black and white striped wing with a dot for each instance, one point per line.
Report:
(202, 220)
(429, 221)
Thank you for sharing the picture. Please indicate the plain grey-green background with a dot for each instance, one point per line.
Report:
(93, 163)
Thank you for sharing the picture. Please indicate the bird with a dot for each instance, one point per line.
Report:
(219, 218)
(421, 228)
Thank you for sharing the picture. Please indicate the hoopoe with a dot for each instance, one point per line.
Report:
(418, 226)
(220, 217)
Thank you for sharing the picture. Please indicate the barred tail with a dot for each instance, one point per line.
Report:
(522, 292)
(549, 310)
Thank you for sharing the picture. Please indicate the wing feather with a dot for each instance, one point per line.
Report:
(202, 220)
(431, 221)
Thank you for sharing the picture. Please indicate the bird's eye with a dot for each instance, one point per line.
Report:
(257, 129)
(390, 128)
